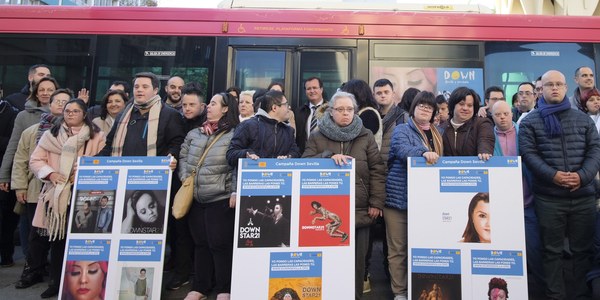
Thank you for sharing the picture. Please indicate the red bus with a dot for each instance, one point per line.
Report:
(249, 48)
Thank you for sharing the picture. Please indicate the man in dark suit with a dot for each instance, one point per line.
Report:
(308, 114)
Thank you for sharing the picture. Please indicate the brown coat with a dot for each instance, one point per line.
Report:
(370, 170)
(474, 137)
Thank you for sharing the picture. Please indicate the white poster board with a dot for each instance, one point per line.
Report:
(309, 250)
(451, 256)
(106, 255)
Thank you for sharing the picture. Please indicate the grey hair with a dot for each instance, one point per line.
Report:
(340, 94)
(249, 93)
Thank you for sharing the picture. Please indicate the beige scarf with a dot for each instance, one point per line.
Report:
(437, 139)
(56, 198)
(155, 106)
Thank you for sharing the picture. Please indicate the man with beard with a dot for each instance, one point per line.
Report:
(584, 77)
(36, 72)
(146, 127)
(173, 89)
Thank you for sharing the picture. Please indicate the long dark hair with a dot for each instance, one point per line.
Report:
(362, 93)
(86, 119)
(104, 108)
(231, 118)
(470, 235)
(408, 97)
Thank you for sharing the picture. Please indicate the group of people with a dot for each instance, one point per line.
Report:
(557, 138)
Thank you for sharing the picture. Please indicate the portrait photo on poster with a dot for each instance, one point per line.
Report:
(403, 78)
(144, 211)
(93, 212)
(136, 283)
(85, 280)
(264, 221)
(285, 294)
(498, 287)
(478, 228)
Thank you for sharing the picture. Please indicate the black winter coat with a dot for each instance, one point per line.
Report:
(576, 150)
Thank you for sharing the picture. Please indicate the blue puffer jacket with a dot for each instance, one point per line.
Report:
(576, 150)
(263, 136)
(406, 142)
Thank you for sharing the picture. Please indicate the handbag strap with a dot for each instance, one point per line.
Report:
(201, 160)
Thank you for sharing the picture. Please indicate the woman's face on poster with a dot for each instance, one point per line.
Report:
(481, 221)
(405, 78)
(147, 209)
(85, 280)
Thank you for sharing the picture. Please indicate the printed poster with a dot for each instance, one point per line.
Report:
(117, 228)
(475, 240)
(294, 225)
(439, 81)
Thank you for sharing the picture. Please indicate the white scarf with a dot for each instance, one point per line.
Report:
(57, 196)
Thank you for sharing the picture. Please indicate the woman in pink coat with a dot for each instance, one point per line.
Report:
(53, 162)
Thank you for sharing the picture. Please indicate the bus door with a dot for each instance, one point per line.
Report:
(254, 67)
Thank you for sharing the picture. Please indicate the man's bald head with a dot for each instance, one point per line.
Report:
(502, 115)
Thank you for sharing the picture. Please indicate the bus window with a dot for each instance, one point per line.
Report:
(509, 63)
(68, 56)
(121, 57)
(256, 69)
(333, 67)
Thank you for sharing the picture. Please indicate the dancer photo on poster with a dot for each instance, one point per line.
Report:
(324, 220)
(334, 221)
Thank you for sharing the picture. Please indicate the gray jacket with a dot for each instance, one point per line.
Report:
(30, 116)
(213, 179)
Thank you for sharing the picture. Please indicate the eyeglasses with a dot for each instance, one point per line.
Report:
(526, 93)
(538, 89)
(73, 112)
(425, 107)
(59, 102)
(284, 104)
(497, 99)
(552, 85)
(341, 110)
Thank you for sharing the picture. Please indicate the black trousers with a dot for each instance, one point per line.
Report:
(8, 224)
(212, 227)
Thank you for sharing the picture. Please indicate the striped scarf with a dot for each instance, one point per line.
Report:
(437, 139)
(155, 105)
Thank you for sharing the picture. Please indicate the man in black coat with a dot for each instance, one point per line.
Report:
(36, 72)
(306, 113)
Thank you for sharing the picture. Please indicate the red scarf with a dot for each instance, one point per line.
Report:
(210, 127)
